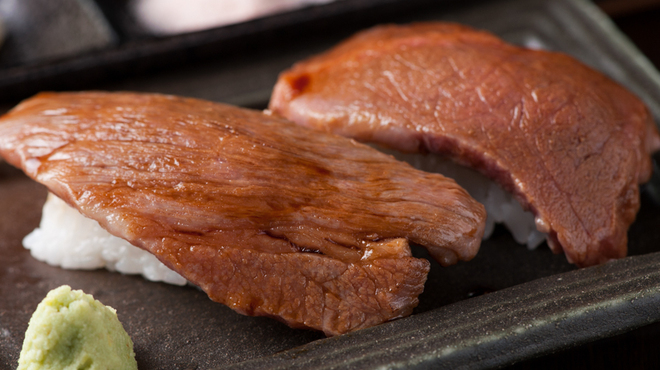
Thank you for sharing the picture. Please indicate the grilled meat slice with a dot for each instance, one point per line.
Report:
(267, 217)
(568, 142)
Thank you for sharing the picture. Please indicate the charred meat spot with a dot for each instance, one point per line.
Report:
(299, 84)
(305, 249)
(321, 171)
(190, 232)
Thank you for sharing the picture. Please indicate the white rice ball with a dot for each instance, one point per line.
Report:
(501, 206)
(70, 240)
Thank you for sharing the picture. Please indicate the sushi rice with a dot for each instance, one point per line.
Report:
(70, 240)
(501, 206)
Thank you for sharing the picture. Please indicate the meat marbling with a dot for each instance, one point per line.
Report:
(268, 217)
(568, 142)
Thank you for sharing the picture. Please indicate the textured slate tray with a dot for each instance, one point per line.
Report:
(536, 302)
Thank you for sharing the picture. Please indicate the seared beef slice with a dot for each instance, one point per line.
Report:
(568, 142)
(267, 217)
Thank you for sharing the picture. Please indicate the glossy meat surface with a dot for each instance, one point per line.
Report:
(568, 142)
(267, 217)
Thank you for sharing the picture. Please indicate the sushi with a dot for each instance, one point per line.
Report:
(568, 143)
(267, 217)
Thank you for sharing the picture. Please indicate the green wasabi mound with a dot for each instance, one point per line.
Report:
(72, 330)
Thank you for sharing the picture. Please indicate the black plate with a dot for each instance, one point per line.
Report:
(506, 305)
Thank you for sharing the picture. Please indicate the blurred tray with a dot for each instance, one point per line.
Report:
(79, 43)
(536, 302)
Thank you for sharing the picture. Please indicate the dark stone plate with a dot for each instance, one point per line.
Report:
(506, 305)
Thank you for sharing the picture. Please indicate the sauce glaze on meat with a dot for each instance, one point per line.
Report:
(568, 142)
(267, 217)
